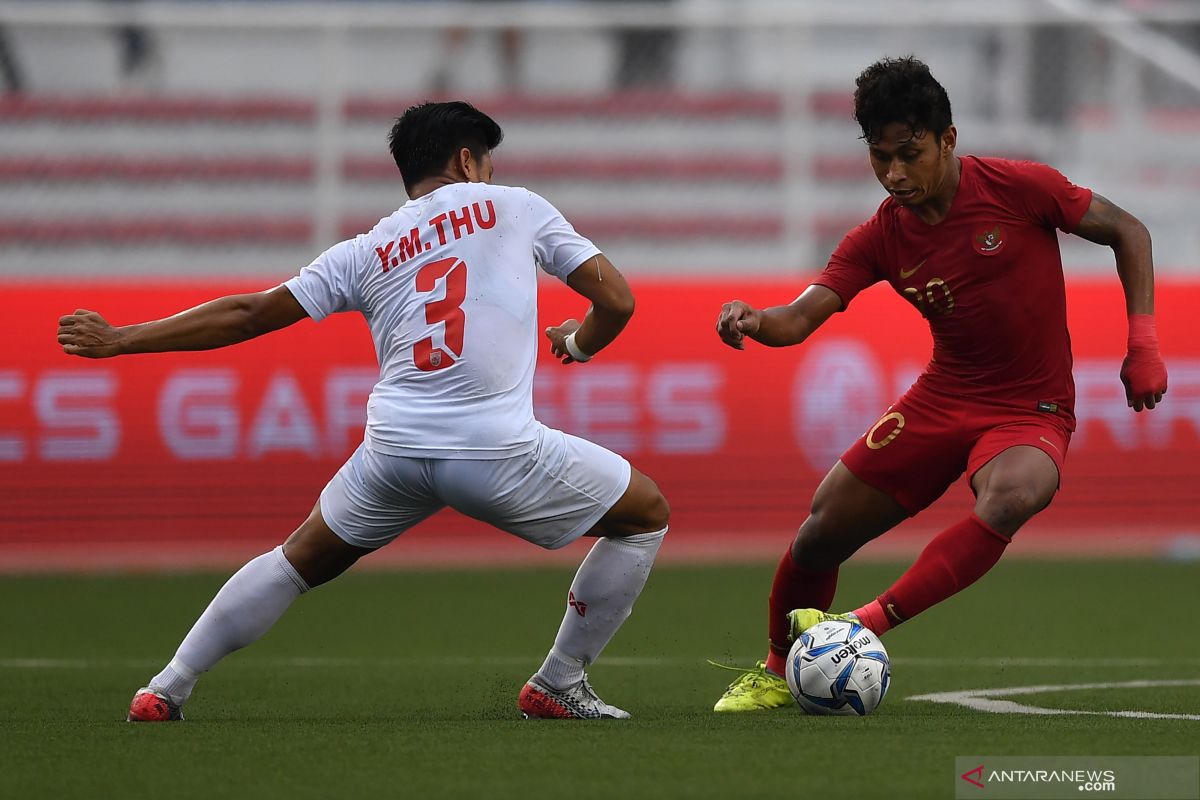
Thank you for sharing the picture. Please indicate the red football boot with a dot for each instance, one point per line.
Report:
(151, 706)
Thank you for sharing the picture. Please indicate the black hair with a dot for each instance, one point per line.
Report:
(427, 136)
(900, 90)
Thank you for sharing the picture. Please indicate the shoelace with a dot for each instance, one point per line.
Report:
(583, 694)
(585, 688)
(751, 674)
(759, 667)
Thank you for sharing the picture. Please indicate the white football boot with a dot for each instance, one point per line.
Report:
(579, 701)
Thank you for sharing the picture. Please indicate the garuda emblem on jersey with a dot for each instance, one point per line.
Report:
(989, 240)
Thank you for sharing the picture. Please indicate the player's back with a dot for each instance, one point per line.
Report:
(448, 286)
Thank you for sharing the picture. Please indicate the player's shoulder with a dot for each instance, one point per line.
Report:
(520, 194)
(1008, 171)
(527, 206)
(478, 190)
(884, 218)
(518, 201)
(999, 164)
(869, 235)
(386, 228)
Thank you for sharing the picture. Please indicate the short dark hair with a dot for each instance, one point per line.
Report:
(426, 136)
(900, 90)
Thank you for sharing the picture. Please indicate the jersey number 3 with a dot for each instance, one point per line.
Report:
(448, 310)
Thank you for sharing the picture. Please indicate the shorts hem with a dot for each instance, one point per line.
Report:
(602, 508)
(1057, 458)
(900, 497)
(345, 537)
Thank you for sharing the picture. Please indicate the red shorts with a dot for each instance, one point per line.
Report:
(926, 441)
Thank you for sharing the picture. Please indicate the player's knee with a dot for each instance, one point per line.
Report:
(642, 509)
(318, 555)
(1008, 508)
(815, 547)
(657, 512)
(652, 510)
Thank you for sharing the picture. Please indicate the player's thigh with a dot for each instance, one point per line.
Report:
(375, 497)
(914, 451)
(1047, 434)
(550, 496)
(846, 514)
(1016, 469)
(845, 500)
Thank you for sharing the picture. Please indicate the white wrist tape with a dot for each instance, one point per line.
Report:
(574, 350)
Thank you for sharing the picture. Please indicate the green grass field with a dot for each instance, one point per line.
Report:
(404, 685)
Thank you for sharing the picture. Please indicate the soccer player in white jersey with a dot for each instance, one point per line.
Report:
(447, 285)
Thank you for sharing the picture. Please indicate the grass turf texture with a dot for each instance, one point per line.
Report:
(404, 684)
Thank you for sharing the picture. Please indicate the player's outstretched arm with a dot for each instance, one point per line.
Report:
(777, 326)
(612, 306)
(217, 323)
(1143, 372)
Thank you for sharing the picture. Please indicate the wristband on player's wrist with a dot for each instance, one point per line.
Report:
(574, 349)
(1143, 333)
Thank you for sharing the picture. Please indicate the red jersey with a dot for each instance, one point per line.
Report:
(988, 278)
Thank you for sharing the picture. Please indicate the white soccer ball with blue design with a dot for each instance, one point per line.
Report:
(838, 668)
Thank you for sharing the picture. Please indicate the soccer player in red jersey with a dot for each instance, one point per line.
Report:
(971, 242)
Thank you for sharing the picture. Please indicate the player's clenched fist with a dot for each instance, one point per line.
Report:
(1143, 372)
(737, 321)
(86, 333)
(1145, 379)
(557, 334)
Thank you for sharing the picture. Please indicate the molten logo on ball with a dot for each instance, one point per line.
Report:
(838, 668)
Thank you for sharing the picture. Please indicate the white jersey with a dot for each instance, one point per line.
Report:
(448, 286)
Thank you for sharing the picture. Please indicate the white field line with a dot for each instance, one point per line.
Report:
(977, 699)
(984, 699)
(322, 662)
(1037, 661)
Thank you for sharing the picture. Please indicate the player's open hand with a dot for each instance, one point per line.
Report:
(557, 334)
(87, 334)
(1145, 377)
(737, 321)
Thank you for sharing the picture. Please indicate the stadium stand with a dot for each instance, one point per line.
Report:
(232, 160)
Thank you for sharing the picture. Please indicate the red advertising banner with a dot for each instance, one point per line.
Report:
(230, 448)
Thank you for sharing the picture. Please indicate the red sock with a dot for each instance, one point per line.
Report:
(956, 558)
(794, 587)
(874, 617)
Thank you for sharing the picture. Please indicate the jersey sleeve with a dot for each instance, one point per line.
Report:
(329, 284)
(1049, 198)
(854, 265)
(557, 248)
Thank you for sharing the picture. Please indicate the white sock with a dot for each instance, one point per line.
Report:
(601, 598)
(246, 607)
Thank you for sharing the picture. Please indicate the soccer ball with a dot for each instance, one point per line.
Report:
(838, 668)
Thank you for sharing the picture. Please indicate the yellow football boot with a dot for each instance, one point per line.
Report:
(802, 619)
(755, 689)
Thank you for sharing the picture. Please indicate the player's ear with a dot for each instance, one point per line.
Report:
(949, 140)
(461, 166)
(467, 164)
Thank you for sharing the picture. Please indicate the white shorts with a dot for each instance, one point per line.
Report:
(549, 496)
